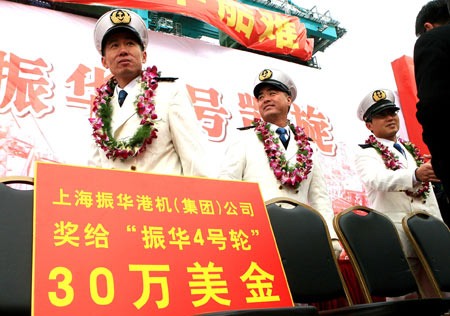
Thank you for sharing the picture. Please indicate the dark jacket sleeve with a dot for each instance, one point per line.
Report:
(432, 72)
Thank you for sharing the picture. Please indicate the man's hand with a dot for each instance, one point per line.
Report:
(425, 172)
(337, 248)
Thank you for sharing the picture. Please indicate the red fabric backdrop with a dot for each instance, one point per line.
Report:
(253, 27)
(403, 68)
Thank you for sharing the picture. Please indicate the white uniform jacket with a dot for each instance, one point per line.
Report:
(385, 188)
(178, 148)
(246, 160)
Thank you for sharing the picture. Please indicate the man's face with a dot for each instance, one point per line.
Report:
(123, 56)
(385, 124)
(273, 104)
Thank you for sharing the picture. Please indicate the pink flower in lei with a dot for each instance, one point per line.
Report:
(287, 174)
(145, 109)
(391, 162)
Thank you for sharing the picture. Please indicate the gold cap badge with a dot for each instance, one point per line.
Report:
(120, 17)
(378, 95)
(265, 74)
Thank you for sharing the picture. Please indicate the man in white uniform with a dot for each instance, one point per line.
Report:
(396, 184)
(293, 170)
(141, 121)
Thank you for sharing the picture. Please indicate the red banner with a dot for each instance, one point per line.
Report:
(110, 242)
(403, 68)
(253, 27)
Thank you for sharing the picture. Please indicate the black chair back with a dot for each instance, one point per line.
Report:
(431, 240)
(16, 243)
(306, 253)
(374, 248)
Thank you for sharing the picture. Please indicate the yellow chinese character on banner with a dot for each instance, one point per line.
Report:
(271, 21)
(162, 204)
(215, 235)
(230, 208)
(189, 206)
(183, 2)
(125, 201)
(287, 36)
(206, 207)
(246, 208)
(180, 237)
(63, 234)
(105, 200)
(97, 236)
(153, 237)
(236, 16)
(145, 203)
(147, 280)
(62, 196)
(227, 11)
(83, 198)
(239, 239)
(207, 283)
(280, 29)
(260, 290)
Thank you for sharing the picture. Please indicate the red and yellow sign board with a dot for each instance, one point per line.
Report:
(110, 242)
(255, 28)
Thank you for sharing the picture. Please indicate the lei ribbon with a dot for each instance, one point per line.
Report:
(287, 174)
(145, 109)
(391, 162)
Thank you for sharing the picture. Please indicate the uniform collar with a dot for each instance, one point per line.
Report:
(128, 87)
(386, 142)
(274, 127)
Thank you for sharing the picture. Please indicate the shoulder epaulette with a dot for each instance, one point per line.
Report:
(166, 79)
(245, 127)
(365, 146)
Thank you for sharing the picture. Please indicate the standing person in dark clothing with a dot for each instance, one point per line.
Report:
(432, 72)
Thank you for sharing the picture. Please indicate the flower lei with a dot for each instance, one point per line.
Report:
(145, 108)
(391, 162)
(284, 172)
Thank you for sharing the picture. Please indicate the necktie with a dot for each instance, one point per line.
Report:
(283, 136)
(399, 148)
(122, 95)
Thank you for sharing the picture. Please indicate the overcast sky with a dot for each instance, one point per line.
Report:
(378, 32)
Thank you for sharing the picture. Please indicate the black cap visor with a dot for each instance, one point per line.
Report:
(280, 86)
(117, 29)
(379, 107)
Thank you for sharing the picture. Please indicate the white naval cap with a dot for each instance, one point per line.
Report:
(375, 102)
(275, 78)
(119, 19)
